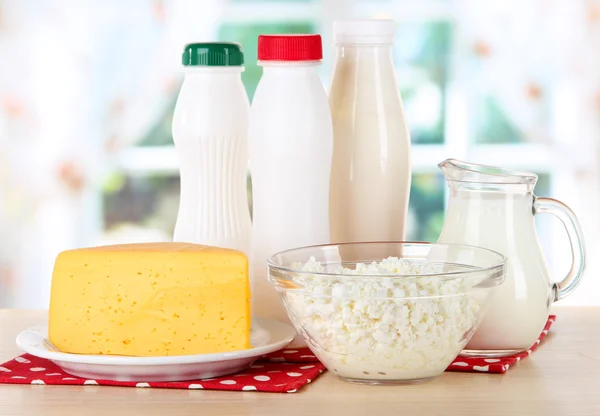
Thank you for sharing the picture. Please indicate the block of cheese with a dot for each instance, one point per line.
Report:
(150, 299)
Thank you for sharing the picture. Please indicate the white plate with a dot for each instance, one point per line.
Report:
(269, 336)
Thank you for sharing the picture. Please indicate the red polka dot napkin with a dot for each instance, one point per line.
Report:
(284, 371)
(500, 364)
(281, 372)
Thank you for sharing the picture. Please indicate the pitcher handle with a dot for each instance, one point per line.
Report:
(566, 286)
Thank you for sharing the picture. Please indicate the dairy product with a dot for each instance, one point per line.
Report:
(519, 307)
(371, 172)
(210, 127)
(384, 328)
(290, 142)
(150, 299)
(494, 208)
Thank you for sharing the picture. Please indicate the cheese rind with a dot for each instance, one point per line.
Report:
(150, 299)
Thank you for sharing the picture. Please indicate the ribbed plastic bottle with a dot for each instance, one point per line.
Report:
(210, 127)
(371, 173)
(291, 145)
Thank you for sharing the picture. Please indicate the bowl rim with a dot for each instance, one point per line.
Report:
(501, 264)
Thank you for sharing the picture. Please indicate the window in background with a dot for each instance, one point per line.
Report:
(422, 61)
(149, 202)
(160, 134)
(426, 207)
(492, 124)
(423, 54)
(519, 115)
(463, 94)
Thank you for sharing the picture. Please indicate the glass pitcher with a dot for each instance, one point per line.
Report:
(493, 208)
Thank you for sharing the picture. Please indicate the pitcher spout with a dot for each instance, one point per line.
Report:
(459, 171)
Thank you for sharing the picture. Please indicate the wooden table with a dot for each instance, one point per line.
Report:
(561, 378)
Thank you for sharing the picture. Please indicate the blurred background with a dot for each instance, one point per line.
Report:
(88, 87)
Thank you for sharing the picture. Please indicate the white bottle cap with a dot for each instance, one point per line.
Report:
(364, 31)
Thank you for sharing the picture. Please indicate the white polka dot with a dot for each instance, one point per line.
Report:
(537, 341)
(307, 356)
(54, 374)
(195, 386)
(262, 378)
(306, 367)
(320, 371)
(528, 352)
(485, 368)
(277, 359)
(4, 370)
(460, 364)
(294, 374)
(69, 378)
(37, 369)
(229, 382)
(518, 359)
(22, 360)
(491, 360)
(292, 391)
(257, 366)
(90, 382)
(37, 382)
(248, 388)
(545, 331)
(18, 377)
(507, 366)
(290, 351)
(142, 385)
(308, 381)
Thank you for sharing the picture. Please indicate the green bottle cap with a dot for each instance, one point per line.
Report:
(213, 54)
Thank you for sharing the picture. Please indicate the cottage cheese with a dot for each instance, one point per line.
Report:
(384, 328)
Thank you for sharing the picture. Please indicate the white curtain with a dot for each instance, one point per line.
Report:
(79, 80)
(524, 52)
(540, 59)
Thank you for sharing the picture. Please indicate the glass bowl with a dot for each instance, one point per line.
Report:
(386, 312)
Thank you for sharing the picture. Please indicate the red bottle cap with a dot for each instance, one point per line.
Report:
(290, 48)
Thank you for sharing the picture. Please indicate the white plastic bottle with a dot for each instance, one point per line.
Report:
(210, 127)
(371, 172)
(291, 145)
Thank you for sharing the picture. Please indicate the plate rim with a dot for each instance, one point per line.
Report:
(271, 325)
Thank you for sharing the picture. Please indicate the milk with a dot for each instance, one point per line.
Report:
(210, 127)
(371, 173)
(504, 222)
(290, 146)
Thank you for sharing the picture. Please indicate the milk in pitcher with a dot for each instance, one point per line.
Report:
(519, 307)
(494, 208)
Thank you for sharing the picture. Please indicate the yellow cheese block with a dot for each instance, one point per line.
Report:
(150, 299)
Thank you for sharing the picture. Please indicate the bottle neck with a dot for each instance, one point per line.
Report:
(287, 67)
(365, 62)
(203, 71)
(349, 53)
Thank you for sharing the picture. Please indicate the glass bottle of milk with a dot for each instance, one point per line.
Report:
(371, 172)
(210, 127)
